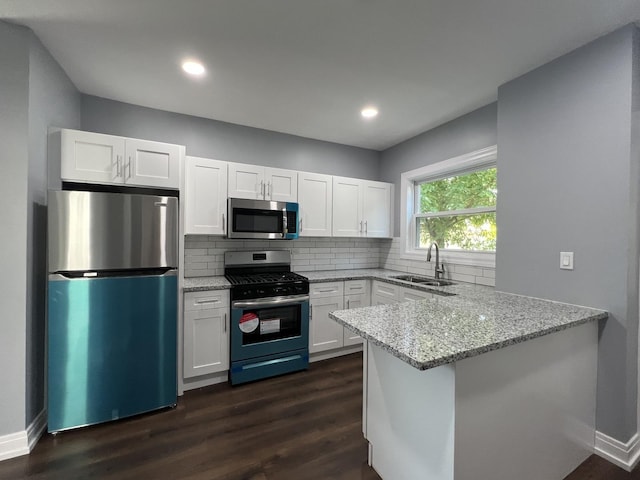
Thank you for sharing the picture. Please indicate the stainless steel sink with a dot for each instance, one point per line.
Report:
(432, 282)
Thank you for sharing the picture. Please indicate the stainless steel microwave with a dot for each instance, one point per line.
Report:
(262, 219)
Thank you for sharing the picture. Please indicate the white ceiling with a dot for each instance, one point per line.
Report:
(307, 67)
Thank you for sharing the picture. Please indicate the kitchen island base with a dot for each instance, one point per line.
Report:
(526, 411)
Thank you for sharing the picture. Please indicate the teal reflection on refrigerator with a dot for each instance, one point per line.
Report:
(112, 306)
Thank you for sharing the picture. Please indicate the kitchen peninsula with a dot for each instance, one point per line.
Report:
(480, 385)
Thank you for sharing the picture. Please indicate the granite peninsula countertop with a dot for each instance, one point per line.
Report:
(433, 332)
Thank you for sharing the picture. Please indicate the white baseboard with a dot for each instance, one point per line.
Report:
(21, 443)
(14, 445)
(625, 455)
(36, 429)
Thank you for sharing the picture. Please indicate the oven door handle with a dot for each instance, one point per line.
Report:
(267, 302)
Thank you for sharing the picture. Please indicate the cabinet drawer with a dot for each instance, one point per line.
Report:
(330, 289)
(410, 294)
(206, 300)
(387, 290)
(356, 287)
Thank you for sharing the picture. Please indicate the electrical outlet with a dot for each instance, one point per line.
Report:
(566, 260)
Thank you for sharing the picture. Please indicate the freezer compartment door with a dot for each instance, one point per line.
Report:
(111, 348)
(111, 231)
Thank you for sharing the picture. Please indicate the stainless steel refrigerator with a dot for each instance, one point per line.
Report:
(112, 306)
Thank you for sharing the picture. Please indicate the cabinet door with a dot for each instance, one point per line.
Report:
(281, 185)
(324, 333)
(376, 204)
(316, 199)
(347, 207)
(91, 157)
(152, 164)
(246, 181)
(382, 293)
(206, 342)
(206, 196)
(354, 301)
(411, 294)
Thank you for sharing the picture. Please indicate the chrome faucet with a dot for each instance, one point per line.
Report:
(439, 267)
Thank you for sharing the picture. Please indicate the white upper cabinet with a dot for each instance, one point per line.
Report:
(91, 157)
(376, 205)
(205, 196)
(315, 199)
(281, 185)
(347, 207)
(262, 183)
(98, 158)
(361, 208)
(152, 164)
(246, 181)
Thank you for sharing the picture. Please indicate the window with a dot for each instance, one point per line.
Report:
(457, 212)
(452, 203)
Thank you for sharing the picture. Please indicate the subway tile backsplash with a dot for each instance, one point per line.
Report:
(204, 256)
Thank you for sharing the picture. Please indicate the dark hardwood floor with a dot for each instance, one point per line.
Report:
(303, 426)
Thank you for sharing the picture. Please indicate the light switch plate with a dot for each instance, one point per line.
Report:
(566, 260)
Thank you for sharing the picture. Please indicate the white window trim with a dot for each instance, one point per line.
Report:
(485, 157)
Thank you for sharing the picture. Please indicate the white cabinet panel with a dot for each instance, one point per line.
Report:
(376, 206)
(206, 333)
(355, 300)
(246, 181)
(410, 294)
(262, 183)
(206, 196)
(347, 207)
(152, 164)
(281, 185)
(325, 333)
(97, 158)
(315, 198)
(382, 293)
(361, 208)
(91, 157)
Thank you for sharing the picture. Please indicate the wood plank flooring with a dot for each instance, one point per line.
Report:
(303, 426)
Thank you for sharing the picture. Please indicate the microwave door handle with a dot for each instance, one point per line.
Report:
(284, 223)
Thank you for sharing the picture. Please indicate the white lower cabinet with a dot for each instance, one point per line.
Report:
(384, 293)
(356, 295)
(325, 333)
(206, 332)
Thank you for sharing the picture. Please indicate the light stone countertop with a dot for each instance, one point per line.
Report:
(195, 284)
(433, 332)
(460, 321)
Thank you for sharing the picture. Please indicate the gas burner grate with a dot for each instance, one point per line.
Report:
(263, 278)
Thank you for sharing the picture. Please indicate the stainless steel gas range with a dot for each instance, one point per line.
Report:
(269, 315)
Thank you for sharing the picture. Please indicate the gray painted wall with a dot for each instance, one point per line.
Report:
(14, 58)
(226, 141)
(568, 182)
(35, 93)
(465, 134)
(53, 102)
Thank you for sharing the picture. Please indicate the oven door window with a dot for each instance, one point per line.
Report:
(257, 221)
(266, 324)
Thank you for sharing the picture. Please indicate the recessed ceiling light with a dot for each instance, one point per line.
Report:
(193, 68)
(369, 112)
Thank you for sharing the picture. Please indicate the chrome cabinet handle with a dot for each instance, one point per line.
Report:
(225, 322)
(269, 190)
(360, 226)
(129, 169)
(262, 189)
(223, 225)
(310, 312)
(348, 303)
(300, 225)
(366, 229)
